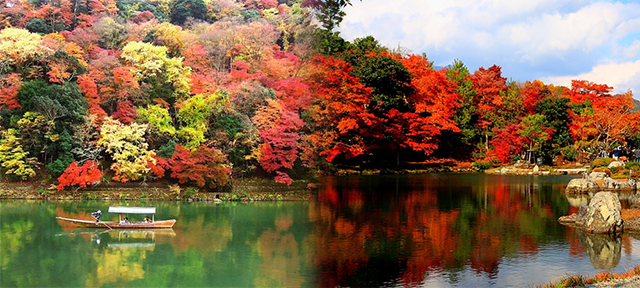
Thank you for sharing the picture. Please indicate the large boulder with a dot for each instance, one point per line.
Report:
(579, 185)
(613, 185)
(602, 215)
(596, 176)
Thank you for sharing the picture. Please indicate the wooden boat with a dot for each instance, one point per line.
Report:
(123, 223)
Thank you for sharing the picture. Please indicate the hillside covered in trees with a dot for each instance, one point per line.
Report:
(200, 91)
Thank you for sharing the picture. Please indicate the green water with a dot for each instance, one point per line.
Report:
(438, 230)
(226, 245)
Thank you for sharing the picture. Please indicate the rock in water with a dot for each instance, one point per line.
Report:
(613, 185)
(581, 186)
(602, 215)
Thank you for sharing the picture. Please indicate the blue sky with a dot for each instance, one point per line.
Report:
(550, 40)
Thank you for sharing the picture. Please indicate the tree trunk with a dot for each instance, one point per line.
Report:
(486, 142)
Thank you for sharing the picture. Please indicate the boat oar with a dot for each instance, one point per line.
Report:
(105, 224)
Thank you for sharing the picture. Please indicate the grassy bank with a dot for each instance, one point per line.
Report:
(580, 280)
(246, 189)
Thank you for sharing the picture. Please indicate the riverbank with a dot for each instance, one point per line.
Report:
(524, 168)
(245, 189)
(629, 278)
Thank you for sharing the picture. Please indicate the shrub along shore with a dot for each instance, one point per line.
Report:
(246, 189)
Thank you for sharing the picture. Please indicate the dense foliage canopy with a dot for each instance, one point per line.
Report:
(196, 91)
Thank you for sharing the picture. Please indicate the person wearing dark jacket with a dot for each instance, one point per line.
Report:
(97, 215)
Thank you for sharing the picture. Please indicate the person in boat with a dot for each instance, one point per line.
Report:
(97, 215)
(147, 219)
(125, 220)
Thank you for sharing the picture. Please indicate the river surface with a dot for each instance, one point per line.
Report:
(436, 230)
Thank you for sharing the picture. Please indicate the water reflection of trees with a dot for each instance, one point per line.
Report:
(424, 228)
(225, 246)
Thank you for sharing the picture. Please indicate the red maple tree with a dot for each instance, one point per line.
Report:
(87, 174)
(204, 166)
(9, 86)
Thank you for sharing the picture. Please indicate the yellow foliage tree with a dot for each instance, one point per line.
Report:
(128, 149)
(151, 64)
(20, 48)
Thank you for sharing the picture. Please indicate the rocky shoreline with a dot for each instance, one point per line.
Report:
(525, 168)
(599, 181)
(604, 214)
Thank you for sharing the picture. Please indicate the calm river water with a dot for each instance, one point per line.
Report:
(437, 230)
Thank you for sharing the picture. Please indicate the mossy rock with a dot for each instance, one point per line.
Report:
(634, 165)
(603, 169)
(619, 170)
(600, 162)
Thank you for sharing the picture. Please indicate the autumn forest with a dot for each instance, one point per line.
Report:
(199, 92)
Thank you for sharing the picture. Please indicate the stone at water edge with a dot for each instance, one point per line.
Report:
(613, 185)
(602, 215)
(581, 186)
(634, 200)
(536, 169)
(595, 176)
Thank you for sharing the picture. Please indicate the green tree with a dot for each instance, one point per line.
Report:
(465, 116)
(330, 43)
(329, 12)
(63, 104)
(151, 7)
(556, 113)
(185, 9)
(534, 131)
(37, 25)
(61, 151)
(375, 68)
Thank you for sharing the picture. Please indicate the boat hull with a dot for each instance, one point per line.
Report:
(115, 225)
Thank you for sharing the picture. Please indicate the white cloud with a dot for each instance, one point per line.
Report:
(628, 53)
(621, 76)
